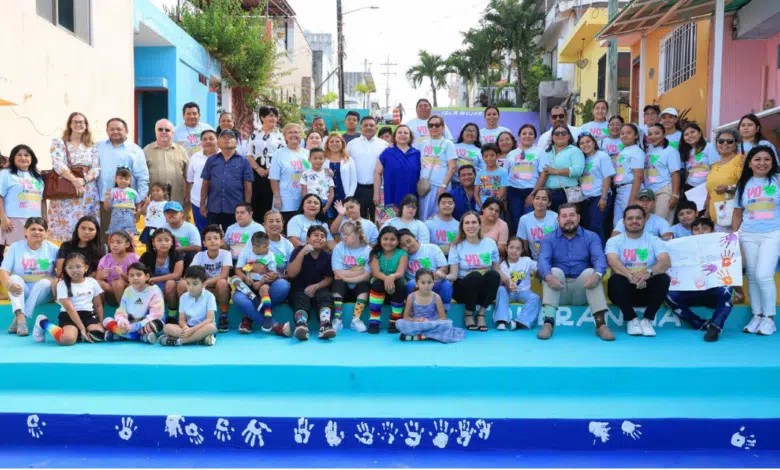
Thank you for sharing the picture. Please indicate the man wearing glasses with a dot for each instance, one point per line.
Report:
(557, 116)
(167, 162)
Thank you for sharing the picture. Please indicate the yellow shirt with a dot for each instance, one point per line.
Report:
(723, 175)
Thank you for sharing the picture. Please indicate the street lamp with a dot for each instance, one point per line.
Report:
(340, 27)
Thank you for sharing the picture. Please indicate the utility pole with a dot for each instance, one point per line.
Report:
(340, 26)
(387, 74)
(612, 61)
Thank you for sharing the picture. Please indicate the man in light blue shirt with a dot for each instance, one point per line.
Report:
(116, 152)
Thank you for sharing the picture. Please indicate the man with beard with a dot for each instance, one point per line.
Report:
(464, 194)
(639, 261)
(571, 265)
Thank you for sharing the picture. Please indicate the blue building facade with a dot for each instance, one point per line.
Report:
(171, 69)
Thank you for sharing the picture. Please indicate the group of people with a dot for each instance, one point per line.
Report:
(411, 217)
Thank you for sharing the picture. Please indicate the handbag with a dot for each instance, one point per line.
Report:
(724, 210)
(574, 194)
(55, 187)
(424, 184)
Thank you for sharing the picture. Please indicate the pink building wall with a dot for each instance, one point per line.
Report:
(745, 61)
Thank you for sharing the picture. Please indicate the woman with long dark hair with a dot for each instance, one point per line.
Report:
(522, 167)
(262, 145)
(489, 134)
(21, 193)
(467, 151)
(752, 133)
(87, 240)
(309, 213)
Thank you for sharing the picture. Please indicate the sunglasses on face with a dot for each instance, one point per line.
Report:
(162, 129)
(726, 141)
(557, 116)
(560, 133)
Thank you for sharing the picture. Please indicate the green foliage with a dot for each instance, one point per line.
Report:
(505, 103)
(288, 111)
(584, 110)
(432, 67)
(460, 62)
(327, 98)
(536, 74)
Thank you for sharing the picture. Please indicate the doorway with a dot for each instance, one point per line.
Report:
(150, 107)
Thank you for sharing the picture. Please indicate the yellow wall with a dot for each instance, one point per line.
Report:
(587, 79)
(49, 73)
(690, 94)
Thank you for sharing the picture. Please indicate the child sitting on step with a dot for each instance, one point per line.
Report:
(388, 265)
(139, 316)
(516, 274)
(111, 271)
(166, 267)
(424, 315)
(218, 263)
(250, 282)
(81, 309)
(196, 313)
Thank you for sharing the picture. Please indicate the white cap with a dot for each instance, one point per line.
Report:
(671, 111)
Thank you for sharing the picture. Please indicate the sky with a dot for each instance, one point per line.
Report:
(398, 29)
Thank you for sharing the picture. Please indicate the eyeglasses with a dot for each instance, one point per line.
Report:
(434, 124)
(79, 123)
(560, 133)
(726, 141)
(163, 129)
(557, 116)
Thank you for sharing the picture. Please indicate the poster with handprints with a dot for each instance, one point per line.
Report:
(702, 262)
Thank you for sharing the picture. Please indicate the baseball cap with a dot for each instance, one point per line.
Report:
(172, 206)
(671, 111)
(648, 193)
(229, 132)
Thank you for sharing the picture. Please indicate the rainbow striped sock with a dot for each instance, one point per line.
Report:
(397, 312)
(337, 305)
(265, 305)
(301, 316)
(375, 302)
(54, 330)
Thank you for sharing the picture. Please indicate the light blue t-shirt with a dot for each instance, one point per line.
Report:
(299, 226)
(761, 202)
(597, 167)
(467, 154)
(369, 228)
(599, 130)
(442, 233)
(613, 147)
(196, 309)
(435, 155)
(660, 163)
(427, 256)
(248, 256)
(22, 194)
(287, 167)
(631, 158)
(533, 230)
(471, 258)
(636, 254)
(699, 163)
(745, 147)
(416, 226)
(282, 251)
(490, 182)
(674, 139)
(186, 235)
(490, 136)
(656, 225)
(679, 231)
(30, 265)
(522, 167)
(237, 236)
(352, 259)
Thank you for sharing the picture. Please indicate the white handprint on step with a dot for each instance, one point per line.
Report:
(35, 426)
(443, 431)
(631, 429)
(484, 429)
(413, 434)
(332, 434)
(223, 430)
(303, 431)
(173, 425)
(600, 430)
(741, 441)
(363, 435)
(126, 431)
(253, 434)
(389, 431)
(194, 433)
(466, 431)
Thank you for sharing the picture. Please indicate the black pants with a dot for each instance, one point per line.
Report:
(626, 296)
(399, 296)
(477, 289)
(300, 302)
(221, 219)
(364, 193)
(342, 290)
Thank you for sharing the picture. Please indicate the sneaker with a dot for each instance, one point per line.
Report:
(209, 340)
(12, 328)
(605, 333)
(752, 327)
(516, 325)
(166, 340)
(246, 326)
(633, 327)
(282, 329)
(545, 332)
(38, 332)
(301, 331)
(392, 329)
(501, 325)
(21, 328)
(268, 323)
(222, 324)
(373, 328)
(338, 325)
(647, 327)
(150, 338)
(767, 327)
(712, 334)
(326, 331)
(358, 325)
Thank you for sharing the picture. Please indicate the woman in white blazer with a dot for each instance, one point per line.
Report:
(343, 168)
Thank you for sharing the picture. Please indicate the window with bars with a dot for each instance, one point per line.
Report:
(677, 57)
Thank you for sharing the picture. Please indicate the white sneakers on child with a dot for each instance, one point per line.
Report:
(358, 325)
(633, 327)
(338, 325)
(38, 333)
(647, 328)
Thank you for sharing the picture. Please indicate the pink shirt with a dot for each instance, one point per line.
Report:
(108, 262)
(499, 233)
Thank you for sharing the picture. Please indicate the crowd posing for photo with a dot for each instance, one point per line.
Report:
(409, 217)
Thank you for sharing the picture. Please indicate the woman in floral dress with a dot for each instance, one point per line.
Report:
(63, 214)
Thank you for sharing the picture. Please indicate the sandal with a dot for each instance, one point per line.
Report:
(468, 321)
(481, 322)
(12, 328)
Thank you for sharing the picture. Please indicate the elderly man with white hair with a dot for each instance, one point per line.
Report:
(167, 161)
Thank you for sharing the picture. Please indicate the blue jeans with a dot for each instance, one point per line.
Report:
(558, 198)
(443, 288)
(717, 298)
(516, 199)
(278, 292)
(527, 315)
(593, 218)
(200, 221)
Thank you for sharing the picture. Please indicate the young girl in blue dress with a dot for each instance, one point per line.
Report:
(424, 315)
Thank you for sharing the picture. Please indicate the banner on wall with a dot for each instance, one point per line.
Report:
(334, 118)
(511, 118)
(702, 262)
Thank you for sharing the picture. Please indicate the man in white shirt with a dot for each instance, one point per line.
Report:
(365, 151)
(557, 116)
(188, 134)
(419, 125)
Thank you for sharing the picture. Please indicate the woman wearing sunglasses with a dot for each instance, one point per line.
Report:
(723, 177)
(561, 165)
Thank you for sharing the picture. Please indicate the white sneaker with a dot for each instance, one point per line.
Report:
(337, 324)
(647, 327)
(38, 333)
(501, 326)
(633, 327)
(752, 327)
(767, 327)
(358, 325)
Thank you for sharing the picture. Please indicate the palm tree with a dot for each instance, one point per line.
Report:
(432, 67)
(460, 63)
(482, 51)
(364, 90)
